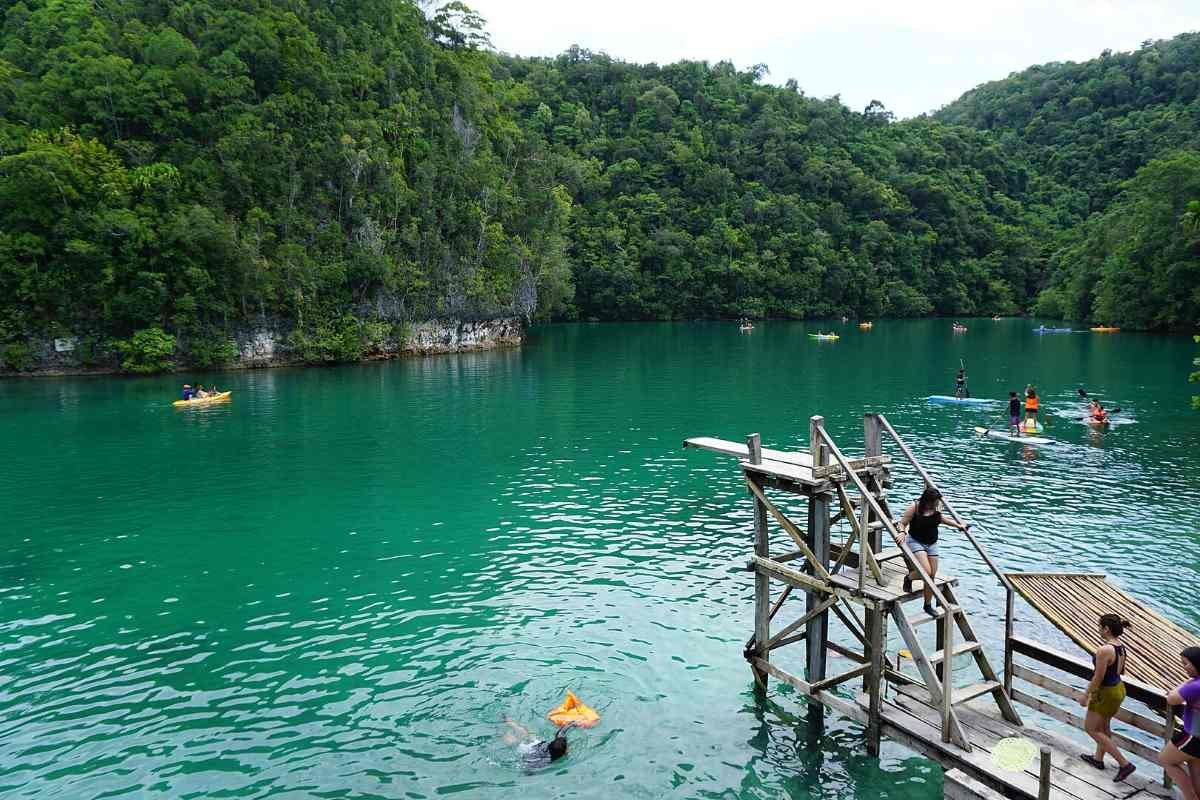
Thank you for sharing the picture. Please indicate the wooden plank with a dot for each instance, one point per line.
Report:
(1069, 777)
(846, 652)
(794, 577)
(820, 608)
(974, 690)
(741, 452)
(856, 464)
(959, 649)
(790, 527)
(818, 626)
(1075, 721)
(1044, 773)
(877, 638)
(762, 580)
(1143, 723)
(842, 677)
(841, 705)
(958, 785)
(948, 692)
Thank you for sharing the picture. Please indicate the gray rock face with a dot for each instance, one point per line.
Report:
(267, 345)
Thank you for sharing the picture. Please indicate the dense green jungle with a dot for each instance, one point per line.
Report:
(172, 170)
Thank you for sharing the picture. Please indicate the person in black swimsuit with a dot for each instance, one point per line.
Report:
(1104, 695)
(920, 523)
(535, 753)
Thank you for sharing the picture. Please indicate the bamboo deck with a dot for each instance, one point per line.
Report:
(1074, 603)
(909, 719)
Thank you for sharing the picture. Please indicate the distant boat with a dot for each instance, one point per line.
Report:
(746, 328)
(866, 326)
(960, 328)
(1044, 329)
(995, 319)
(824, 337)
(1104, 329)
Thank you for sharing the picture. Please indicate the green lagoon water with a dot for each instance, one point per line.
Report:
(340, 583)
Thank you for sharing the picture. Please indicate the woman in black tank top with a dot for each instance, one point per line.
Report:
(1104, 695)
(920, 522)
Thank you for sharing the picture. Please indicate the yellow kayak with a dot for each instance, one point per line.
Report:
(203, 401)
(1105, 329)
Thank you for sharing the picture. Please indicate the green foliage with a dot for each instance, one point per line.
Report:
(211, 349)
(17, 356)
(148, 351)
(1195, 376)
(331, 341)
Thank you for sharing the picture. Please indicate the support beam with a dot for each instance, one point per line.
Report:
(818, 541)
(875, 640)
(762, 581)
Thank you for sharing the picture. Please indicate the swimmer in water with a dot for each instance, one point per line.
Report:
(535, 753)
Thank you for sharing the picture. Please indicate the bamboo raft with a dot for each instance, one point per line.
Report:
(856, 584)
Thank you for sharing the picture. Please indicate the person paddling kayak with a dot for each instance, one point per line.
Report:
(187, 392)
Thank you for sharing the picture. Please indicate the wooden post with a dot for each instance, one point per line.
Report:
(1168, 735)
(1044, 775)
(817, 632)
(873, 436)
(875, 639)
(947, 665)
(1008, 633)
(872, 446)
(762, 582)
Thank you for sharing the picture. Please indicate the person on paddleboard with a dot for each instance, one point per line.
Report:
(1014, 413)
(1031, 408)
(920, 525)
(960, 385)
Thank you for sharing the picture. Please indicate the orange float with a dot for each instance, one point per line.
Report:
(573, 712)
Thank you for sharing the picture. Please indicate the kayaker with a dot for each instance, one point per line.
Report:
(960, 385)
(1099, 415)
(1014, 413)
(920, 525)
(1031, 408)
(187, 392)
(200, 392)
(1104, 695)
(1181, 758)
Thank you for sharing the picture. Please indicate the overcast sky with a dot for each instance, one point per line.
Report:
(913, 56)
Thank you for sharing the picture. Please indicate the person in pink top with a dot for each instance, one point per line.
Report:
(1181, 758)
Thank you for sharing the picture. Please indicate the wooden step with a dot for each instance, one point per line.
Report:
(969, 693)
(889, 554)
(925, 619)
(959, 649)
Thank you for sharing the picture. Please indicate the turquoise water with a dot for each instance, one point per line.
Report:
(340, 584)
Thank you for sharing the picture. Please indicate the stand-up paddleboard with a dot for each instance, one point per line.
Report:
(1053, 330)
(970, 401)
(1008, 437)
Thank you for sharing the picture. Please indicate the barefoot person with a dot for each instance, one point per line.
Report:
(1181, 758)
(1104, 695)
(920, 524)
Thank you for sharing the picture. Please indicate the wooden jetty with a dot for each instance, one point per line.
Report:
(858, 582)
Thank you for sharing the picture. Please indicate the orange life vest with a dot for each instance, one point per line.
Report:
(1031, 404)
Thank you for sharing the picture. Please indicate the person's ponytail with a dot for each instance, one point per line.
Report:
(1115, 624)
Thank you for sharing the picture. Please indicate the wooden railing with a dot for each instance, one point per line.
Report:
(1153, 698)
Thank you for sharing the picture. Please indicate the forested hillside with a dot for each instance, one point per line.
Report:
(174, 167)
(702, 192)
(1121, 132)
(171, 170)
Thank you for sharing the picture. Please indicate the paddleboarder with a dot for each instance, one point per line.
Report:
(960, 385)
(1014, 413)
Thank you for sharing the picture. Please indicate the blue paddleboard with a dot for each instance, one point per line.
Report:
(968, 401)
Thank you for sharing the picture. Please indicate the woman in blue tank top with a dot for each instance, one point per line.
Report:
(1104, 695)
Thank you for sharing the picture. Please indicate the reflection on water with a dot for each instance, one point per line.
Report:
(341, 583)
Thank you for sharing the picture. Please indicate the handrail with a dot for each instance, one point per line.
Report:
(887, 426)
(886, 519)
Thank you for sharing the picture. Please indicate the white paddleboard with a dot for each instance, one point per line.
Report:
(1008, 437)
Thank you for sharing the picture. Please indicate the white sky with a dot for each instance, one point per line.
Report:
(913, 56)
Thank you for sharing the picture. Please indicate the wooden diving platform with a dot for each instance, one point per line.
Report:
(859, 581)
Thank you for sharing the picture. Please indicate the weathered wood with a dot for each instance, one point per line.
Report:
(855, 464)
(825, 683)
(958, 785)
(818, 626)
(846, 652)
(875, 644)
(1073, 602)
(795, 577)
(762, 580)
(949, 724)
(1152, 696)
(820, 608)
(790, 527)
(947, 643)
(1076, 721)
(985, 667)
(1008, 632)
(959, 650)
(841, 705)
(1066, 691)
(1044, 774)
(969, 693)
